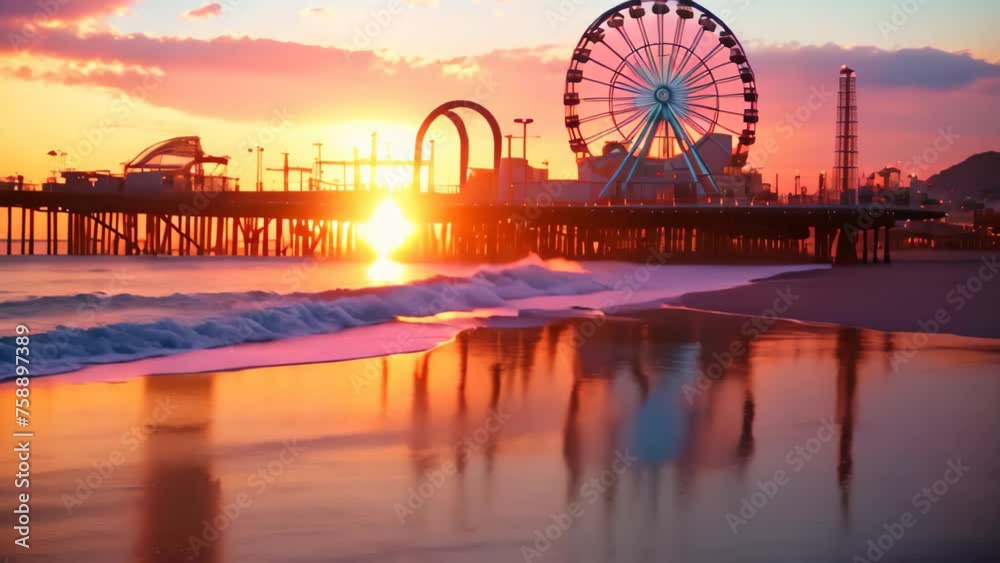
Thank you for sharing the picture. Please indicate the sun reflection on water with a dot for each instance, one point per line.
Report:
(387, 271)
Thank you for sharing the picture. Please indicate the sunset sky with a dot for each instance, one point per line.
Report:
(102, 79)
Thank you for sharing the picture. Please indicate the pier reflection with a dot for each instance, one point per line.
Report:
(180, 492)
(673, 392)
(849, 353)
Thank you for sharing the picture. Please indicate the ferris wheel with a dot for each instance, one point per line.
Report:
(657, 78)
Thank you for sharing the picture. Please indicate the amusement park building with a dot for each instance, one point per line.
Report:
(661, 180)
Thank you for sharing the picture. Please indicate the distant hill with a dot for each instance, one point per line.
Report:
(979, 173)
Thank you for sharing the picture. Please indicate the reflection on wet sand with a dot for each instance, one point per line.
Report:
(849, 350)
(702, 409)
(180, 493)
(630, 390)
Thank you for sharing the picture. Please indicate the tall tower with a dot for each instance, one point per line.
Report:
(845, 168)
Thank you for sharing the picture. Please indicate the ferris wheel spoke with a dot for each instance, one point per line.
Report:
(646, 143)
(687, 149)
(683, 116)
(710, 84)
(704, 59)
(608, 99)
(620, 102)
(662, 65)
(704, 96)
(635, 129)
(621, 112)
(630, 106)
(693, 151)
(637, 72)
(615, 127)
(653, 67)
(678, 34)
(720, 110)
(615, 86)
(636, 125)
(648, 73)
(714, 122)
(694, 125)
(651, 121)
(687, 114)
(691, 50)
(616, 73)
(707, 73)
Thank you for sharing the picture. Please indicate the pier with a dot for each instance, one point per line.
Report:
(331, 225)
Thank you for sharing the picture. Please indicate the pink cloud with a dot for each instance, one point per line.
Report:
(208, 11)
(317, 11)
(902, 111)
(46, 13)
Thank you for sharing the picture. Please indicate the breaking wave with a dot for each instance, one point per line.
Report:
(226, 319)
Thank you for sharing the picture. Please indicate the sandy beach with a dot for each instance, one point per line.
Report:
(905, 296)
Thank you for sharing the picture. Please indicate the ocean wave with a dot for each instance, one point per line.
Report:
(261, 316)
(101, 301)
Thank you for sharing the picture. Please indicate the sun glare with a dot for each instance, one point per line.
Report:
(388, 229)
(385, 271)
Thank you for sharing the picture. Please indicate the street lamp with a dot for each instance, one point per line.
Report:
(260, 166)
(317, 180)
(55, 156)
(60, 160)
(525, 122)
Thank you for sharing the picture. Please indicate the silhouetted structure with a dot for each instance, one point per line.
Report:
(331, 224)
(845, 169)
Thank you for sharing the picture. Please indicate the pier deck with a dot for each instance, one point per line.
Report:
(331, 224)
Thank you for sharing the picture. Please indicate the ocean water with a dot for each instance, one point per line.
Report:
(200, 314)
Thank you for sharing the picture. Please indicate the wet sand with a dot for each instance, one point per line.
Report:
(904, 296)
(604, 437)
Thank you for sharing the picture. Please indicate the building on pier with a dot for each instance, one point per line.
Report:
(657, 180)
(171, 166)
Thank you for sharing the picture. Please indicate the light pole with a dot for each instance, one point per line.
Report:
(60, 160)
(317, 180)
(55, 156)
(260, 166)
(525, 122)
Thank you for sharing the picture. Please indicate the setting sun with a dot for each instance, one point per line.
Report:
(388, 228)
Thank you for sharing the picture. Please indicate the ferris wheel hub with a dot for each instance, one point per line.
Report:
(663, 94)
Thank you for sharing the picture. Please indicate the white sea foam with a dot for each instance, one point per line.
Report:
(98, 328)
(235, 318)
